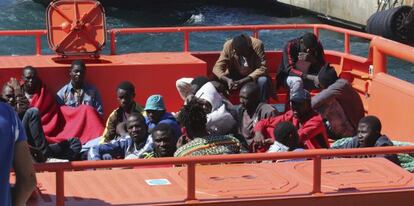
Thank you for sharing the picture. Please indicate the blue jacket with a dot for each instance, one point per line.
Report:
(169, 119)
(124, 148)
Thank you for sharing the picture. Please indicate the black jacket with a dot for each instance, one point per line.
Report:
(290, 57)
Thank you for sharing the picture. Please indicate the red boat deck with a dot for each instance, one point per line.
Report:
(349, 180)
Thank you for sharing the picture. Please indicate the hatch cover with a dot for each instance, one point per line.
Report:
(76, 27)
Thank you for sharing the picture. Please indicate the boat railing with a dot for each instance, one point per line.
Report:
(379, 47)
(35, 33)
(316, 155)
(384, 47)
(255, 29)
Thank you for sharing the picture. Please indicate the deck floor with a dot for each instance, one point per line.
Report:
(224, 183)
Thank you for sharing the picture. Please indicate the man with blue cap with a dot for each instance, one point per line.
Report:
(157, 113)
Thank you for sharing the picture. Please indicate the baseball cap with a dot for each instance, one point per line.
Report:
(301, 95)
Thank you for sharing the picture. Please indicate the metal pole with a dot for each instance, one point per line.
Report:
(256, 34)
(113, 42)
(346, 43)
(38, 44)
(317, 175)
(190, 182)
(186, 41)
(316, 31)
(379, 61)
(60, 192)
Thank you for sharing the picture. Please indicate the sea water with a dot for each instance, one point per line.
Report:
(25, 14)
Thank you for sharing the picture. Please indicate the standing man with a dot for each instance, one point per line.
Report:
(14, 152)
(77, 92)
(302, 59)
(243, 60)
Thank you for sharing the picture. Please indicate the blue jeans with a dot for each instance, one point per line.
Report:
(265, 86)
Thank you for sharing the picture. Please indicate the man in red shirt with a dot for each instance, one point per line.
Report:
(311, 130)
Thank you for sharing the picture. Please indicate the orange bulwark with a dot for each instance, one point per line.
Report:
(318, 181)
(373, 181)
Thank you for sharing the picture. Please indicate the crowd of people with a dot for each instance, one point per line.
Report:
(68, 125)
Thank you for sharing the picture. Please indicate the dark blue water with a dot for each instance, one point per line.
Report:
(24, 14)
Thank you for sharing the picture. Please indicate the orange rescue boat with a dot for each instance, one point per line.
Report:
(76, 29)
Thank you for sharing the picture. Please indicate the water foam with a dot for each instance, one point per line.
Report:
(196, 19)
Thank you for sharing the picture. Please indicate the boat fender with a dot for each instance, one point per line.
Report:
(390, 23)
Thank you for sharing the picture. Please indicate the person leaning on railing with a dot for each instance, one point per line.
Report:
(369, 135)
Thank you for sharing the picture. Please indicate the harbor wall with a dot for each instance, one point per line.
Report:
(350, 11)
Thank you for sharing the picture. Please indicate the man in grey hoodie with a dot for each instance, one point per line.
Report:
(338, 103)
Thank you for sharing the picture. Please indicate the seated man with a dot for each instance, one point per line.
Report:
(126, 94)
(31, 82)
(369, 135)
(157, 114)
(77, 92)
(252, 111)
(243, 60)
(219, 120)
(302, 59)
(187, 87)
(194, 118)
(41, 150)
(132, 146)
(59, 122)
(339, 103)
(163, 142)
(311, 130)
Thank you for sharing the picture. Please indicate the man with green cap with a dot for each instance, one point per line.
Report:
(157, 113)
